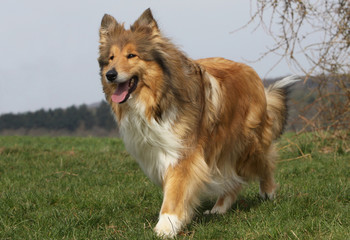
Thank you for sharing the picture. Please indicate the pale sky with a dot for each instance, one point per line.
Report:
(49, 49)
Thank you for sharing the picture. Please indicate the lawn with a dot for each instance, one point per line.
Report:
(90, 188)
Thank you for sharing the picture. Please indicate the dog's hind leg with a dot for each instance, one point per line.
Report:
(268, 188)
(224, 202)
(267, 181)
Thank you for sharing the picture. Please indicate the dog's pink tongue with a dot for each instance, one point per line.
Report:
(120, 94)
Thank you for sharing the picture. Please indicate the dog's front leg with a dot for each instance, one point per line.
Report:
(182, 185)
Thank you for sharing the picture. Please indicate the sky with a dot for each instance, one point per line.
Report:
(49, 49)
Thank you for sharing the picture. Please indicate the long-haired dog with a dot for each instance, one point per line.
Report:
(196, 127)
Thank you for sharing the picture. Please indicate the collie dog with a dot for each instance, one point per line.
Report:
(197, 128)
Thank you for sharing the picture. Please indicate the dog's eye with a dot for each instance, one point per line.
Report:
(131, 56)
(111, 57)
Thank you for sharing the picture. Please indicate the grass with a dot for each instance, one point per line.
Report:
(89, 188)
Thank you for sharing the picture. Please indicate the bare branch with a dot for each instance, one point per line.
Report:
(314, 38)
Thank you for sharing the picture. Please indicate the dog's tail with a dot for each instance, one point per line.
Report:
(277, 109)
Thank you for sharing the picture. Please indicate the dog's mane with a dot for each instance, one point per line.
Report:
(183, 86)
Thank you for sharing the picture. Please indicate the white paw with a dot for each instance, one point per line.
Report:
(168, 226)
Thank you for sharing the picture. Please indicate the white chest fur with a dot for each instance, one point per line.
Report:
(152, 144)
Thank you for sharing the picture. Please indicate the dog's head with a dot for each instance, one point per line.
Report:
(130, 61)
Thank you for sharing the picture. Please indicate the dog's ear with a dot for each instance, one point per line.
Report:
(108, 24)
(146, 20)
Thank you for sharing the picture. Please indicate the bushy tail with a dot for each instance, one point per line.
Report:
(277, 96)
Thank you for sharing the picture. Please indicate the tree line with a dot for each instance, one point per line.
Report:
(71, 119)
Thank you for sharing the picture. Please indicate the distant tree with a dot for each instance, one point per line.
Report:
(49, 118)
(86, 116)
(58, 119)
(40, 119)
(104, 117)
(71, 118)
(8, 121)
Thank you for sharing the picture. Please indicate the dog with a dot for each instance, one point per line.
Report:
(197, 128)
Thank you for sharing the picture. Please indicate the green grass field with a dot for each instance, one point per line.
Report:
(89, 188)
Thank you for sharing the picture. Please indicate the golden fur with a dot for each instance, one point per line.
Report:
(196, 128)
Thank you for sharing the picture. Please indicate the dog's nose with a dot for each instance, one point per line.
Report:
(111, 75)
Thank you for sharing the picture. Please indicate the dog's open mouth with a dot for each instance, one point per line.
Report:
(123, 91)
